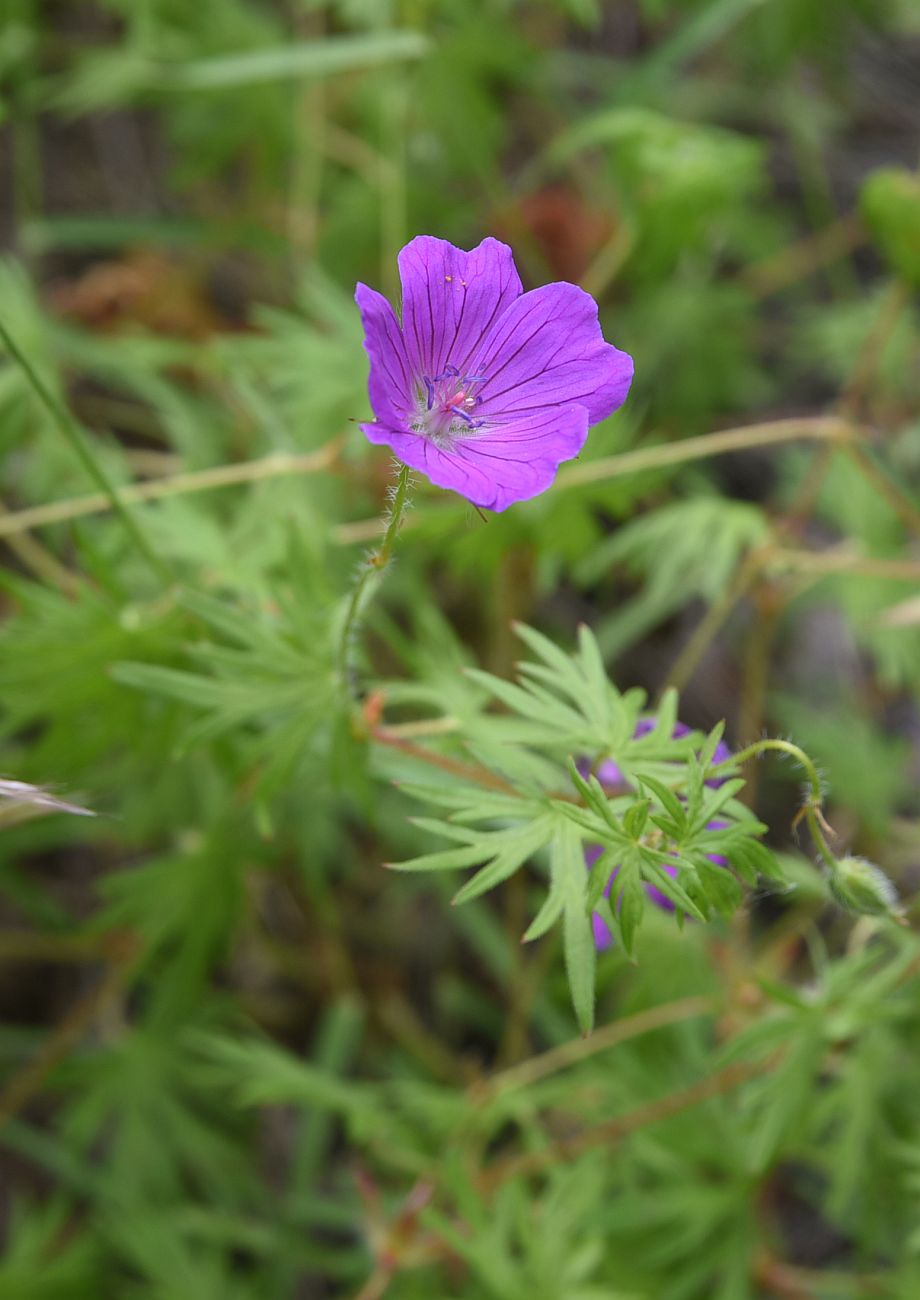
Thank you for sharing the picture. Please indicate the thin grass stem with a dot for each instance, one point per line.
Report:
(73, 435)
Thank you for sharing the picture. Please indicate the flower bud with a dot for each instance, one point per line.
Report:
(862, 887)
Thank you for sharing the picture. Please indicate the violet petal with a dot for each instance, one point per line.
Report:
(494, 470)
(390, 383)
(452, 298)
(547, 349)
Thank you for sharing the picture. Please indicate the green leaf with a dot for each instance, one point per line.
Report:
(635, 818)
(752, 858)
(630, 909)
(676, 810)
(578, 933)
(601, 871)
(591, 826)
(592, 665)
(190, 688)
(681, 550)
(467, 801)
(549, 652)
(715, 801)
(553, 904)
(445, 860)
(667, 715)
(710, 745)
(719, 885)
(595, 797)
(530, 702)
(890, 205)
(450, 831)
(656, 875)
(260, 1072)
(525, 843)
(304, 60)
(785, 1094)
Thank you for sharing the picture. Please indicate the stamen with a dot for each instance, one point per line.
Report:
(448, 401)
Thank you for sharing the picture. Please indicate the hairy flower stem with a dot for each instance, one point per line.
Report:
(811, 809)
(366, 580)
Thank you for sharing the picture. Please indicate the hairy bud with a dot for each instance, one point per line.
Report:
(862, 887)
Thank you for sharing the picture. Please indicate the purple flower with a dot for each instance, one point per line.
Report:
(609, 773)
(485, 388)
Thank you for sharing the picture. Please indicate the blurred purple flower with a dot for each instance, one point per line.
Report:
(608, 773)
(484, 388)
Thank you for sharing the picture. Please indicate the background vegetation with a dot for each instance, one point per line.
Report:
(242, 1062)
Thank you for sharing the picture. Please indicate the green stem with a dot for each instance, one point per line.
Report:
(73, 435)
(815, 797)
(199, 480)
(372, 569)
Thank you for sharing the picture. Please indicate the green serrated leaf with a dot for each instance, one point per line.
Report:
(507, 860)
(714, 801)
(445, 860)
(190, 688)
(601, 871)
(669, 800)
(719, 885)
(755, 857)
(666, 720)
(592, 664)
(548, 651)
(635, 818)
(710, 745)
(596, 799)
(578, 933)
(671, 888)
(553, 904)
(631, 900)
(450, 831)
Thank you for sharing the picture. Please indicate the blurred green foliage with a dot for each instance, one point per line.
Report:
(239, 1060)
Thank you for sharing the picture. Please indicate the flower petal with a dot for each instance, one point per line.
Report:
(451, 299)
(390, 383)
(603, 939)
(521, 457)
(547, 348)
(443, 468)
(517, 461)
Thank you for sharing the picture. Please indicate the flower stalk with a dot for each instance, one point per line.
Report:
(855, 883)
(367, 578)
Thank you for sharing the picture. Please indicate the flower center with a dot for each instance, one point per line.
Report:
(445, 406)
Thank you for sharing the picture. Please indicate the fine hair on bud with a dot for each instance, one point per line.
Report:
(861, 886)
